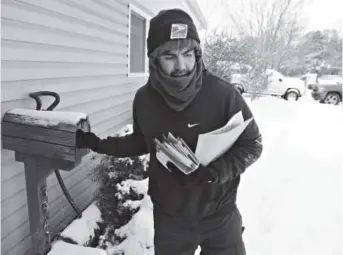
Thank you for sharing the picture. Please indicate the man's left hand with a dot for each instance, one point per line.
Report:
(200, 176)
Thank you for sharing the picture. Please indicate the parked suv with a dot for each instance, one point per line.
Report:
(289, 88)
(328, 90)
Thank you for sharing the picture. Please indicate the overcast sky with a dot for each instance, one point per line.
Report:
(319, 14)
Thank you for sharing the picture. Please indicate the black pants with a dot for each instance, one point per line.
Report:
(216, 236)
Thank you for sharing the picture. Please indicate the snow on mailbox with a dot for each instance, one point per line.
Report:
(44, 141)
(44, 134)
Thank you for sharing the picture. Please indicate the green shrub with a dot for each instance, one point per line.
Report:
(110, 201)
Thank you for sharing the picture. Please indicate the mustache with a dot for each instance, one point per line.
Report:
(179, 73)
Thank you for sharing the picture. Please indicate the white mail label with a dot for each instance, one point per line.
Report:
(179, 31)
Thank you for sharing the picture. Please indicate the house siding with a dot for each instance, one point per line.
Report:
(78, 49)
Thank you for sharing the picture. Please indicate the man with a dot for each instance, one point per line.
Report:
(183, 98)
(311, 78)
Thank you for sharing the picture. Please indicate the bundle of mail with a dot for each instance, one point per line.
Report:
(210, 146)
(175, 151)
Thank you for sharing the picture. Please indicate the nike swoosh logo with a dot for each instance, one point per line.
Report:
(192, 125)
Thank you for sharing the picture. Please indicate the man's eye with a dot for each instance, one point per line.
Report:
(168, 57)
(189, 54)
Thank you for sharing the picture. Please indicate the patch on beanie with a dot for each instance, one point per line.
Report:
(179, 31)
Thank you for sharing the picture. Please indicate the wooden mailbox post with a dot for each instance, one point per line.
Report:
(43, 141)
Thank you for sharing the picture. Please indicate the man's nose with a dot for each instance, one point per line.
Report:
(180, 63)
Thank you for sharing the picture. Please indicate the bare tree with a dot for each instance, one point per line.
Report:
(271, 28)
(272, 24)
(222, 51)
(211, 11)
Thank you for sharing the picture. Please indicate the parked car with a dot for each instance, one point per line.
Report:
(289, 88)
(328, 90)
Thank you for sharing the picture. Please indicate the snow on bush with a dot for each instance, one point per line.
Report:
(82, 230)
(121, 189)
(138, 233)
(111, 196)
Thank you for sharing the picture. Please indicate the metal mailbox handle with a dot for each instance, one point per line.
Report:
(36, 95)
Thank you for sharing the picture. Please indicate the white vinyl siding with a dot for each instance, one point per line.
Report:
(78, 49)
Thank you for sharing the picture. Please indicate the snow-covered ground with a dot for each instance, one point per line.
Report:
(80, 231)
(291, 199)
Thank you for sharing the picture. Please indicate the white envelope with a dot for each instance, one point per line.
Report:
(214, 144)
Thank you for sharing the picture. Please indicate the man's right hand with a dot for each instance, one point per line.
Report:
(86, 140)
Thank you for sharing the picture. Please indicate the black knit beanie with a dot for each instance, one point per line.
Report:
(168, 25)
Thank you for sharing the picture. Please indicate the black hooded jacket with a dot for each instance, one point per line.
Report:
(214, 105)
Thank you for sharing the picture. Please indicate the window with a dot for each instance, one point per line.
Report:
(138, 62)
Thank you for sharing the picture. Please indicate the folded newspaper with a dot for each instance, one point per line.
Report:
(210, 146)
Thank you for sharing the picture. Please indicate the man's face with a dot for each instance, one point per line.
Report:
(177, 62)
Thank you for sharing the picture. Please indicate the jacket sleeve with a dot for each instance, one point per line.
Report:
(125, 146)
(246, 150)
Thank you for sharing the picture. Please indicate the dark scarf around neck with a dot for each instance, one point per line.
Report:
(177, 92)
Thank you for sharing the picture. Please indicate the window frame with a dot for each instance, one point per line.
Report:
(142, 13)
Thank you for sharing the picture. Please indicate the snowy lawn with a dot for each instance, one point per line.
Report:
(291, 199)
